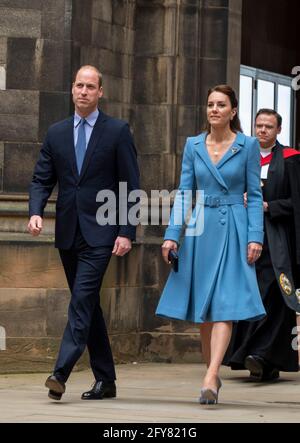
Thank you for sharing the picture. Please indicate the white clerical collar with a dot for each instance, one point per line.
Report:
(266, 151)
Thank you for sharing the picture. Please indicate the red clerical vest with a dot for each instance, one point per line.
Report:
(287, 152)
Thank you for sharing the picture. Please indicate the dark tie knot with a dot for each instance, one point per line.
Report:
(82, 121)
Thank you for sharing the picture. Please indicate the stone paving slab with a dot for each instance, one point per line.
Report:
(152, 393)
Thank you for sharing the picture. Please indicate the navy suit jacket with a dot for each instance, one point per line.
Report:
(110, 158)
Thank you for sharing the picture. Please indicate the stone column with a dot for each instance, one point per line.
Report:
(220, 44)
(103, 35)
(182, 48)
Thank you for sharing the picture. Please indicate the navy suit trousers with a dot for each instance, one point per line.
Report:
(85, 267)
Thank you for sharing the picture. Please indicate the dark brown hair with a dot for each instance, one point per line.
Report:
(270, 112)
(235, 124)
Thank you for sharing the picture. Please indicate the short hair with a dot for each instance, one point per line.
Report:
(270, 112)
(90, 67)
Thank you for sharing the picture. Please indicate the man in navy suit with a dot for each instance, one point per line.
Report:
(85, 154)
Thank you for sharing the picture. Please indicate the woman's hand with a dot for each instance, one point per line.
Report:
(254, 252)
(166, 247)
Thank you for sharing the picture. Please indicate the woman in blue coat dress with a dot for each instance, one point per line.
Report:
(216, 281)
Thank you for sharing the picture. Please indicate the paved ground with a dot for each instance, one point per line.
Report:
(152, 393)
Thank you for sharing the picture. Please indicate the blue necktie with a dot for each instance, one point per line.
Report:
(80, 148)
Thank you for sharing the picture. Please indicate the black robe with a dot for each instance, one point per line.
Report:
(271, 337)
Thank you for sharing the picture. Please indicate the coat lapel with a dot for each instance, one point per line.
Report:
(201, 150)
(95, 136)
(233, 150)
(274, 182)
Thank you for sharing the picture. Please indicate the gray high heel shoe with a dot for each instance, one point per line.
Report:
(210, 396)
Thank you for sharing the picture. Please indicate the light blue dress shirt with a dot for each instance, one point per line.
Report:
(90, 123)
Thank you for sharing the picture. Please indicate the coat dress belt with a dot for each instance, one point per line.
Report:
(214, 201)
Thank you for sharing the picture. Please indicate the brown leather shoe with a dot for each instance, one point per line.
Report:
(101, 389)
(56, 387)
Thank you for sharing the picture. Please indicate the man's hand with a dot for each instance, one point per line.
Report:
(35, 225)
(122, 246)
(266, 206)
(254, 252)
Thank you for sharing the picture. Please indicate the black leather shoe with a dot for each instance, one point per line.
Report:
(255, 364)
(260, 368)
(56, 387)
(270, 375)
(101, 389)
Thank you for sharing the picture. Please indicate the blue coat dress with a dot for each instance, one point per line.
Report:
(214, 281)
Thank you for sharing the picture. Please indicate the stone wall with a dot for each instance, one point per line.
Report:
(35, 61)
(158, 58)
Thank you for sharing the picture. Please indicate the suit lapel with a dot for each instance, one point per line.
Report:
(95, 136)
(69, 143)
(233, 150)
(201, 150)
